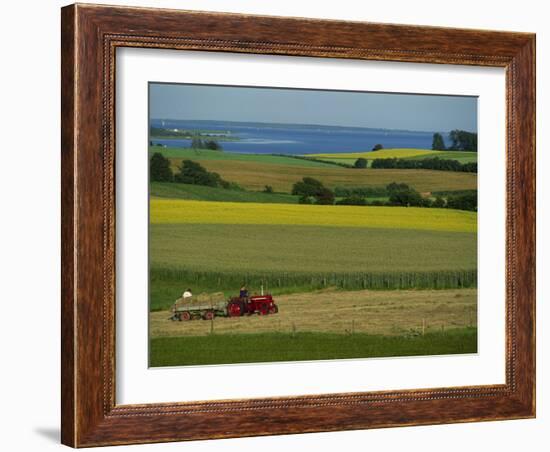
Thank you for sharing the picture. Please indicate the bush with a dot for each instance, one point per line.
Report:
(360, 163)
(466, 201)
(377, 147)
(268, 189)
(353, 200)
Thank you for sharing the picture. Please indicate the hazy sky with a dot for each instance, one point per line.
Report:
(340, 108)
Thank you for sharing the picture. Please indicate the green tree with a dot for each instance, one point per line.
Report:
(437, 143)
(191, 172)
(325, 196)
(403, 195)
(439, 202)
(360, 163)
(268, 189)
(159, 169)
(309, 187)
(463, 141)
(212, 145)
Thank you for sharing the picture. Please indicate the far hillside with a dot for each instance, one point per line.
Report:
(408, 154)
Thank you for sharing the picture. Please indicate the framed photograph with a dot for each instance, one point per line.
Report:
(282, 225)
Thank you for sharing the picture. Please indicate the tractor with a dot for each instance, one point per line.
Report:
(255, 304)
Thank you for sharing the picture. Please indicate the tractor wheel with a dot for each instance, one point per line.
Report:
(264, 309)
(274, 309)
(185, 316)
(208, 315)
(235, 309)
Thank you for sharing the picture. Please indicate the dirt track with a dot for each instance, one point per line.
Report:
(374, 312)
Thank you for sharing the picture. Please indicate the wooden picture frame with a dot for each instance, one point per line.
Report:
(90, 36)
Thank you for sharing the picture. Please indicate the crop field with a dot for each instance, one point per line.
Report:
(327, 324)
(179, 211)
(220, 257)
(250, 248)
(255, 175)
(409, 154)
(381, 154)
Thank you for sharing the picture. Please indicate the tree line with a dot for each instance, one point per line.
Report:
(460, 141)
(189, 172)
(434, 163)
(312, 191)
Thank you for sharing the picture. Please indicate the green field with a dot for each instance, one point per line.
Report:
(202, 155)
(270, 347)
(250, 248)
(202, 193)
(219, 257)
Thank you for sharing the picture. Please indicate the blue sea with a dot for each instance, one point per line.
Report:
(268, 138)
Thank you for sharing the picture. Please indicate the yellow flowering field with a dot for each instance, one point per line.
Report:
(173, 211)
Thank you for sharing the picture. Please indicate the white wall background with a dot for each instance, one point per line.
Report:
(29, 226)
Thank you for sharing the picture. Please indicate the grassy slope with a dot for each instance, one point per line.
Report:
(201, 193)
(174, 211)
(298, 249)
(269, 347)
(209, 155)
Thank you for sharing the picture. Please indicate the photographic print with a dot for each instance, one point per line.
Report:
(297, 224)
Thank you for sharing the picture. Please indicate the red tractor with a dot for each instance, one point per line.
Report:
(255, 304)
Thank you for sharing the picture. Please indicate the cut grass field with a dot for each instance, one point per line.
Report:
(273, 347)
(395, 312)
(179, 211)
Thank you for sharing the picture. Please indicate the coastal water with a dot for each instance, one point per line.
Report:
(264, 138)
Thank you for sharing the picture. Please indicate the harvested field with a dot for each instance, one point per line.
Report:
(332, 311)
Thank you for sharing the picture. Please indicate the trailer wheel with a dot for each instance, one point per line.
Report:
(274, 309)
(209, 315)
(185, 316)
